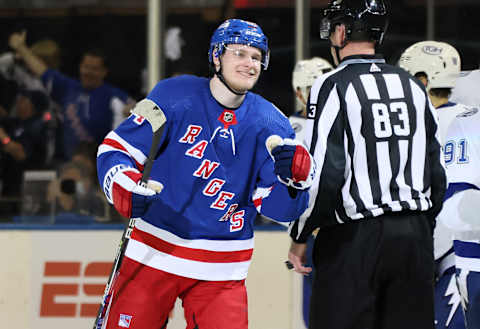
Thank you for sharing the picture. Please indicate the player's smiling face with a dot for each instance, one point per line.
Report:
(241, 66)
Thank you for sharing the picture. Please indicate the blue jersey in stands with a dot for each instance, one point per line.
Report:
(217, 175)
(88, 115)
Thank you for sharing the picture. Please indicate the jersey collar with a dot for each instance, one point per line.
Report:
(362, 59)
(448, 104)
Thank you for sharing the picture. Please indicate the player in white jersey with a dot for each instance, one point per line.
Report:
(460, 209)
(466, 89)
(304, 74)
(437, 65)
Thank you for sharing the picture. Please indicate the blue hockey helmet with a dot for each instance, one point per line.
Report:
(238, 31)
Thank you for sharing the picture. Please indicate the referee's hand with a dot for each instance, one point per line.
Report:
(297, 256)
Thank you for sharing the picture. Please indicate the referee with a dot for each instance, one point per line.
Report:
(374, 136)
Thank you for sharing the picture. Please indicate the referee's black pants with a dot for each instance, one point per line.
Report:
(374, 274)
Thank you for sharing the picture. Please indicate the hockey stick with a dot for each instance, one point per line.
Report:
(154, 115)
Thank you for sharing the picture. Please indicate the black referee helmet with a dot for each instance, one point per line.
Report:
(363, 19)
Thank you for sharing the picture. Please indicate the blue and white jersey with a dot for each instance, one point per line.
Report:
(88, 115)
(446, 114)
(460, 209)
(462, 160)
(217, 174)
(299, 125)
(448, 308)
(443, 236)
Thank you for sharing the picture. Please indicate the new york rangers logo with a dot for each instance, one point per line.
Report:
(124, 321)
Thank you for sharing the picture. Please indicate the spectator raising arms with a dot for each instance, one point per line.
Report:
(13, 68)
(90, 107)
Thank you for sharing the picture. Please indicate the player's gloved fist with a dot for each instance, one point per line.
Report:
(130, 197)
(294, 166)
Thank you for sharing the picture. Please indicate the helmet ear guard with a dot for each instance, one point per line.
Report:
(217, 51)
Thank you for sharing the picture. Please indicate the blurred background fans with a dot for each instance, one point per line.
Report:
(120, 26)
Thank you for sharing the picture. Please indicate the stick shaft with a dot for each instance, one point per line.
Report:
(122, 246)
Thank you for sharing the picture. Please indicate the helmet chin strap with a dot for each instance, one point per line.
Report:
(337, 50)
(222, 79)
(337, 54)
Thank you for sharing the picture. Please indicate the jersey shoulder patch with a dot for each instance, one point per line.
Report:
(151, 112)
(468, 113)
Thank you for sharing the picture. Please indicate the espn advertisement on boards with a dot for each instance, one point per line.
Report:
(56, 279)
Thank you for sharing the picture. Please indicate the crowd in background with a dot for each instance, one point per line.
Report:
(53, 121)
(42, 98)
(50, 121)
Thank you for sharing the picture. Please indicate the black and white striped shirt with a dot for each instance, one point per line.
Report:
(374, 135)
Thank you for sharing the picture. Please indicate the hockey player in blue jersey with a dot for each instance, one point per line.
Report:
(194, 240)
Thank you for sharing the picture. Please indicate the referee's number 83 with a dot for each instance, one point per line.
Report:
(382, 115)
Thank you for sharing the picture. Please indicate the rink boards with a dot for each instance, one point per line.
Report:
(54, 278)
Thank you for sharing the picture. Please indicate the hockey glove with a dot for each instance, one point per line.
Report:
(294, 166)
(130, 197)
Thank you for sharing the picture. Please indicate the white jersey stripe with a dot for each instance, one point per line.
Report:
(370, 86)
(104, 148)
(394, 86)
(259, 194)
(212, 245)
(360, 155)
(471, 264)
(405, 191)
(134, 152)
(144, 254)
(330, 112)
(348, 202)
(419, 138)
(385, 175)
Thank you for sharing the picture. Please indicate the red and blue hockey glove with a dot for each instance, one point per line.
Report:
(130, 197)
(294, 165)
